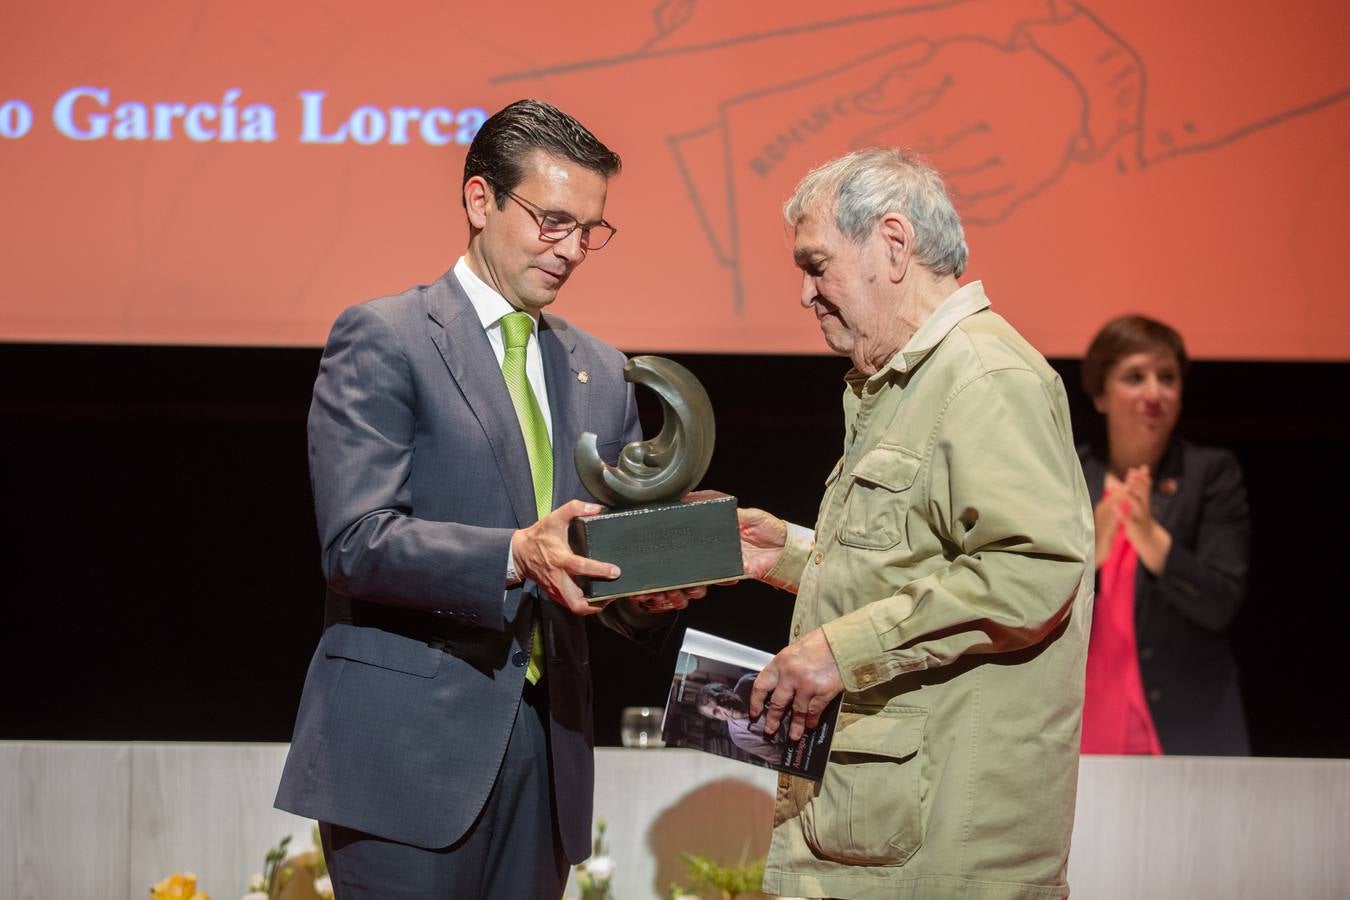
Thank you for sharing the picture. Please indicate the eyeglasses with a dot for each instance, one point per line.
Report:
(555, 225)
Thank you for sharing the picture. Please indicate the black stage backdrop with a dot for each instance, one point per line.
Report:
(161, 574)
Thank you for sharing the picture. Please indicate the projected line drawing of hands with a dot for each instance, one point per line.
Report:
(990, 159)
(1003, 115)
(1001, 121)
(1004, 96)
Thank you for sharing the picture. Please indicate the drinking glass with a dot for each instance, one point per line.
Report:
(640, 727)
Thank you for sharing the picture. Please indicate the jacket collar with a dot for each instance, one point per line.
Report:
(567, 396)
(458, 334)
(464, 347)
(1167, 482)
(965, 301)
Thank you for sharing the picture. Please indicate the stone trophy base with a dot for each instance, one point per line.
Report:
(661, 547)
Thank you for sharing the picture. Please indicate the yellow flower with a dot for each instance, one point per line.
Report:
(178, 886)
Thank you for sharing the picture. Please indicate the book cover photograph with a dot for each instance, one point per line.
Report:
(709, 709)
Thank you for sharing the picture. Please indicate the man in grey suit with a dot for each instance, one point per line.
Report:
(444, 736)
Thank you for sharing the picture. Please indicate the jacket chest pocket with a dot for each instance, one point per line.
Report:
(879, 496)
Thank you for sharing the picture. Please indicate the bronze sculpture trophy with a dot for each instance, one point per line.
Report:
(659, 535)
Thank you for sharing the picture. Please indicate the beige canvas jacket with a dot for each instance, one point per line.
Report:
(951, 569)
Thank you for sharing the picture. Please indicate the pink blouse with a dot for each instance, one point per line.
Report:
(1116, 719)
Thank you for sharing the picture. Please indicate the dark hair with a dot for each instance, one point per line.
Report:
(1125, 335)
(719, 695)
(499, 150)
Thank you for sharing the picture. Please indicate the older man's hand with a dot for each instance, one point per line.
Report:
(667, 601)
(803, 678)
(763, 537)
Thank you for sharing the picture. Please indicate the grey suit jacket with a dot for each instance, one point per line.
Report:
(420, 476)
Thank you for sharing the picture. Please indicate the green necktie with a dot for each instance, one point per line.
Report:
(516, 329)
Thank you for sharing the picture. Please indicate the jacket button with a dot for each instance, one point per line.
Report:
(796, 630)
(820, 558)
(1154, 695)
(519, 659)
(1145, 652)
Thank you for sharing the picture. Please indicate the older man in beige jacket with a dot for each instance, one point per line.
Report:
(947, 587)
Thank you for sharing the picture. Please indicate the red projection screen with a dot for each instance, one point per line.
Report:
(236, 173)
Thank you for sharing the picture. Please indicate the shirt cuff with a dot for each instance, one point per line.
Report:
(786, 573)
(857, 650)
(512, 579)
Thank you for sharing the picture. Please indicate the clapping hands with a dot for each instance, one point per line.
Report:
(1128, 504)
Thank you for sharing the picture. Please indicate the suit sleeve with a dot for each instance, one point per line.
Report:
(1206, 580)
(1004, 493)
(361, 427)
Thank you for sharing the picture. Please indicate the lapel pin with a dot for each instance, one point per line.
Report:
(1167, 487)
(583, 376)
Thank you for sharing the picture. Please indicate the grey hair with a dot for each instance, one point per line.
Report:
(867, 184)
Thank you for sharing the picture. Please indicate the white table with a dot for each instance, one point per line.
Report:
(109, 819)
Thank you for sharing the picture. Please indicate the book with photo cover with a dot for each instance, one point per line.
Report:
(709, 703)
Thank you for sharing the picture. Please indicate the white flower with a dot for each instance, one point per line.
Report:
(599, 867)
(323, 886)
(255, 882)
